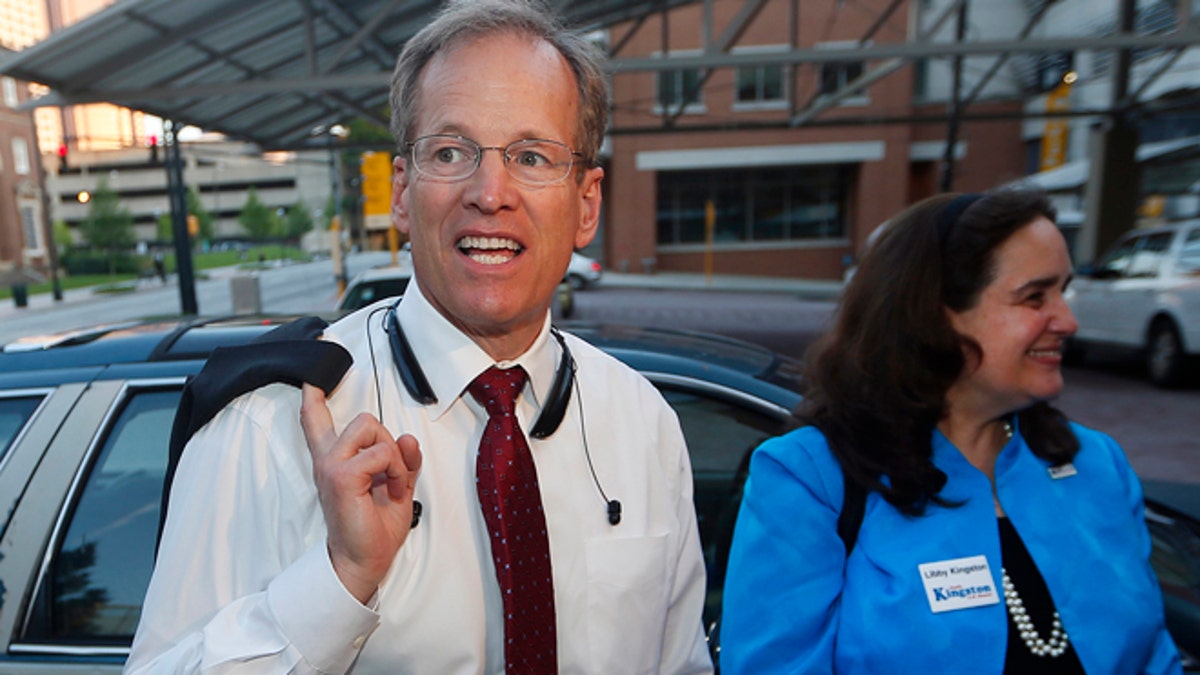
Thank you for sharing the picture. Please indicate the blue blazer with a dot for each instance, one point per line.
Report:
(793, 603)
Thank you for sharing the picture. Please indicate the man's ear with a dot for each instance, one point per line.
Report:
(400, 178)
(589, 213)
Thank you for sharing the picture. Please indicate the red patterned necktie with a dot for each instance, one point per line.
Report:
(512, 506)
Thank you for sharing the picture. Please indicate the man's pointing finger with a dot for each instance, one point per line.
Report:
(316, 420)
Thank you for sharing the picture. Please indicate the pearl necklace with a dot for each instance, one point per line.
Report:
(1055, 646)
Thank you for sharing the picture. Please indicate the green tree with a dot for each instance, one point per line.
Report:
(367, 132)
(108, 226)
(297, 222)
(63, 237)
(258, 219)
(164, 229)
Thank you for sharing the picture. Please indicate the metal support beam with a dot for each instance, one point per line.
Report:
(366, 31)
(954, 112)
(1003, 58)
(819, 103)
(732, 33)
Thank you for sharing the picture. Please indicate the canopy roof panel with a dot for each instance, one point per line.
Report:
(273, 72)
(264, 71)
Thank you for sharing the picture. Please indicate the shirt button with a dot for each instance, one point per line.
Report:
(359, 641)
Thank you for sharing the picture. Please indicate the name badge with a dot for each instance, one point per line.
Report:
(958, 584)
(1062, 471)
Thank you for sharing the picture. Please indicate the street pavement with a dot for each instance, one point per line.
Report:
(85, 306)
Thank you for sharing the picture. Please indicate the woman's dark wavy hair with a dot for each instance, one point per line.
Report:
(876, 383)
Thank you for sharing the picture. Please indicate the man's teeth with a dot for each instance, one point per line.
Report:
(478, 249)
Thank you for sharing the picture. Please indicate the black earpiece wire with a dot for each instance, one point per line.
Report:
(417, 508)
(613, 506)
(374, 364)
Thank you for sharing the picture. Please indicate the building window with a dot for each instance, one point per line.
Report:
(753, 205)
(33, 240)
(679, 87)
(760, 84)
(835, 75)
(9, 87)
(20, 156)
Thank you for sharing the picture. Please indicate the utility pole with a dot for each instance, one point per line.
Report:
(1110, 199)
(177, 192)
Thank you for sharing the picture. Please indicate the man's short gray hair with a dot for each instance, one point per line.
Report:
(463, 20)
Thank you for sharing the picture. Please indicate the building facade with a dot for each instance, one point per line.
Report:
(221, 172)
(1161, 82)
(24, 240)
(787, 198)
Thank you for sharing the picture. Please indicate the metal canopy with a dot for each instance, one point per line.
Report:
(273, 71)
(264, 71)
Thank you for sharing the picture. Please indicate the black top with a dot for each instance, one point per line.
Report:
(1039, 607)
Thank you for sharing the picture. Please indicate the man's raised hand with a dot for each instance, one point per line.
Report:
(365, 481)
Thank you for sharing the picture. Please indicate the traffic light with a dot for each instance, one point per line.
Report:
(152, 141)
(62, 158)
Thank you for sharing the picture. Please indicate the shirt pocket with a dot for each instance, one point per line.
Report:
(627, 602)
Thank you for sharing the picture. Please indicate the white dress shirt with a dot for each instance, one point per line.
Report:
(243, 581)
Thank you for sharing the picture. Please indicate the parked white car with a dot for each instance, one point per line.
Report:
(583, 271)
(1144, 294)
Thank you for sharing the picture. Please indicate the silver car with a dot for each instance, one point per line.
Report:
(1144, 296)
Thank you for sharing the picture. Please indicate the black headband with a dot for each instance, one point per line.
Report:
(951, 213)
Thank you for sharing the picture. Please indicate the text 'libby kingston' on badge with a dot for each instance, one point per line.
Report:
(958, 584)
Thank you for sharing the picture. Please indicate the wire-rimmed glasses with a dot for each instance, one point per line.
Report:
(532, 161)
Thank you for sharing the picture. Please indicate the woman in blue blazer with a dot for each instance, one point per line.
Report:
(995, 535)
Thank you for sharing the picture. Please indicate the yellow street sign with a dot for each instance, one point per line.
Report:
(377, 183)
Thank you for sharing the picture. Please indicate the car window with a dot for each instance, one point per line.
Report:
(1115, 262)
(1189, 256)
(1148, 255)
(370, 291)
(92, 591)
(15, 413)
(720, 436)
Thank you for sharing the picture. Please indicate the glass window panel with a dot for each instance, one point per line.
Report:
(691, 214)
(1114, 263)
(690, 88)
(747, 84)
(731, 209)
(14, 415)
(1149, 255)
(770, 211)
(93, 591)
(772, 83)
(1189, 257)
(753, 204)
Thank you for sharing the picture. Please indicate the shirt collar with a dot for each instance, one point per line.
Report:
(451, 360)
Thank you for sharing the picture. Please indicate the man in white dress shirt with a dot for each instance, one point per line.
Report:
(290, 544)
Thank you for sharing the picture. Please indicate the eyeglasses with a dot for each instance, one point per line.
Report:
(449, 158)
